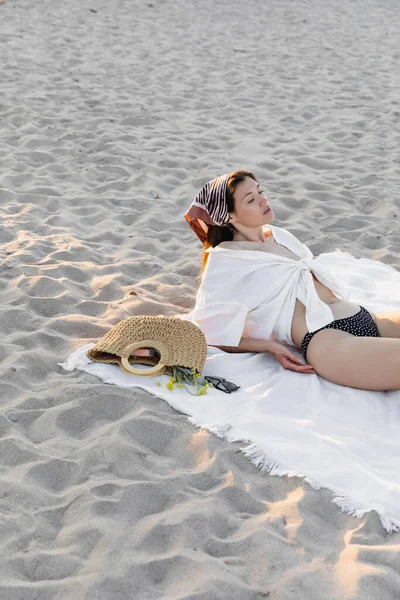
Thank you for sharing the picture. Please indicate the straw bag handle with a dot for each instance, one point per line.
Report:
(156, 370)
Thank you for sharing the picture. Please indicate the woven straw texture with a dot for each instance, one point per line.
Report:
(185, 343)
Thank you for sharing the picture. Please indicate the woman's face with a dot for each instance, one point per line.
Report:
(251, 205)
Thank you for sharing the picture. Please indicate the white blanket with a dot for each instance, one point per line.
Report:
(336, 437)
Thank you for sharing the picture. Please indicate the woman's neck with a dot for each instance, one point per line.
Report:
(261, 237)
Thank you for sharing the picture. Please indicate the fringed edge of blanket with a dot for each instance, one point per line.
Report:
(268, 464)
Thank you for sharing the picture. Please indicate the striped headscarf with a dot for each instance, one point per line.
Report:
(209, 207)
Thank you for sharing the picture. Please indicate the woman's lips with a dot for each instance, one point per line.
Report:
(267, 210)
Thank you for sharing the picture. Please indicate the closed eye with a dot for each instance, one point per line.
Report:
(261, 192)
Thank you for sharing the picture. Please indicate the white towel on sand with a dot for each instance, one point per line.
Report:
(336, 437)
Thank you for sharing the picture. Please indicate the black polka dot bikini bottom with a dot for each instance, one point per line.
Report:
(361, 324)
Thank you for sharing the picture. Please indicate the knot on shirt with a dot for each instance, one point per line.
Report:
(305, 263)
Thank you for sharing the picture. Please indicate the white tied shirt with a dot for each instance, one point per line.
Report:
(252, 293)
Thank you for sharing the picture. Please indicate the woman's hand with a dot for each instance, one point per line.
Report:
(288, 359)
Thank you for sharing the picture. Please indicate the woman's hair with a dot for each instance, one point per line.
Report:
(215, 233)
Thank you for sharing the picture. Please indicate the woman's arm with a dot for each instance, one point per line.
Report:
(283, 355)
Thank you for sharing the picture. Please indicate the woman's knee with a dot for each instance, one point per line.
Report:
(388, 323)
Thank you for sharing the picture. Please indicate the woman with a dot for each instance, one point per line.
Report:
(260, 281)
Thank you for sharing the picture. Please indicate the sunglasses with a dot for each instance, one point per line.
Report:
(222, 384)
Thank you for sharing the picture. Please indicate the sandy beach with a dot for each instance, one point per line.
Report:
(112, 116)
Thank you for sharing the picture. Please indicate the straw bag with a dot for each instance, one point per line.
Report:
(178, 343)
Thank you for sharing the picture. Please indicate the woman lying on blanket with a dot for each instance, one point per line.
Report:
(262, 290)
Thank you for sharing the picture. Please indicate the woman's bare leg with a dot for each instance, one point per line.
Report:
(388, 323)
(369, 363)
